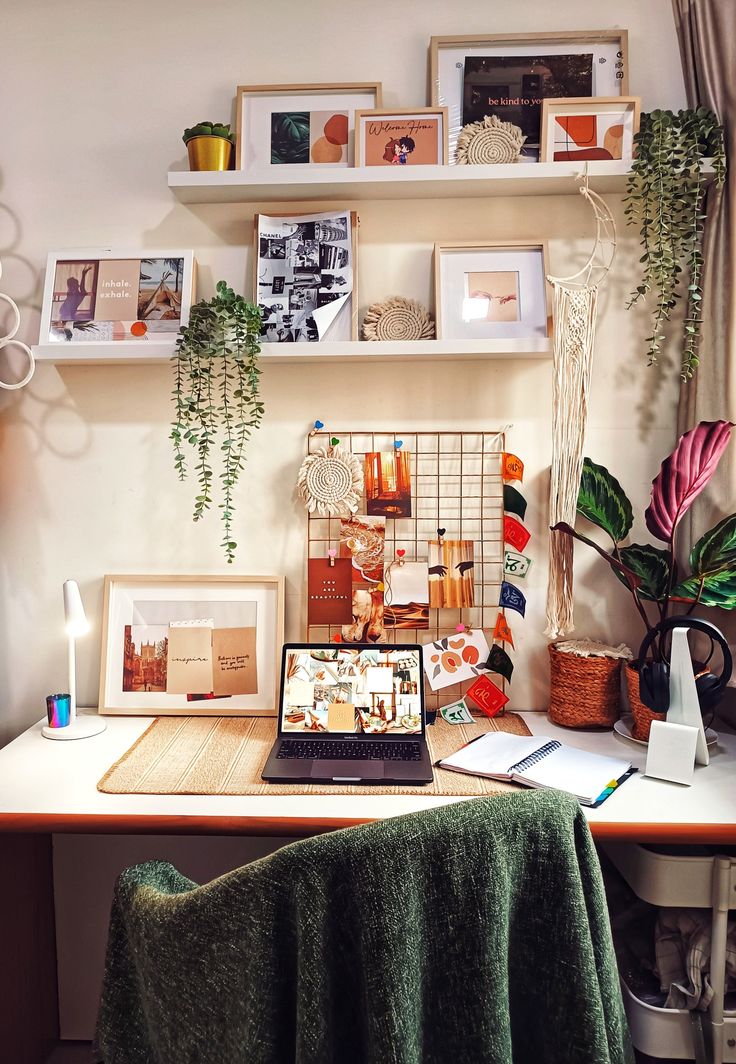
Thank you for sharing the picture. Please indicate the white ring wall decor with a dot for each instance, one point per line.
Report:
(9, 341)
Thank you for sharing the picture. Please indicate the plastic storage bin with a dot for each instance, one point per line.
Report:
(663, 876)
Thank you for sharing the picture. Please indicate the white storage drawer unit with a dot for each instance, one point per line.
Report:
(687, 879)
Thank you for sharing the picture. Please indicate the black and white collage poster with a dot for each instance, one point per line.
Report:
(305, 277)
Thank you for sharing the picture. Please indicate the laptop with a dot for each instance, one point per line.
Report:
(352, 713)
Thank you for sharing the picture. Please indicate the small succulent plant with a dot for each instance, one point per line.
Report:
(209, 129)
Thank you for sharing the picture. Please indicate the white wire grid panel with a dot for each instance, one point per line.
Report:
(457, 484)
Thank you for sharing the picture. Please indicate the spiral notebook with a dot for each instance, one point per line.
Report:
(537, 761)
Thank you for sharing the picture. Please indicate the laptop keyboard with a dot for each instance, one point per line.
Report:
(362, 750)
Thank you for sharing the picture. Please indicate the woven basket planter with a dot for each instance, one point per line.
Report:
(585, 692)
(642, 715)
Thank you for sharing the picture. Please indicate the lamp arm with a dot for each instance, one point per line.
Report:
(71, 655)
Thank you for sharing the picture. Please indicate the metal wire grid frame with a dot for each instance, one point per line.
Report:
(457, 484)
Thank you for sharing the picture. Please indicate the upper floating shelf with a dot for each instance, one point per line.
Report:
(331, 351)
(375, 183)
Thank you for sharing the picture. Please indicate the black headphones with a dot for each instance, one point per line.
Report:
(654, 677)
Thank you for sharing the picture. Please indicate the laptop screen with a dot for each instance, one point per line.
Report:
(357, 689)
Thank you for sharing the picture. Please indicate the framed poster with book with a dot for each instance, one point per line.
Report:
(200, 645)
(305, 276)
(104, 295)
(509, 75)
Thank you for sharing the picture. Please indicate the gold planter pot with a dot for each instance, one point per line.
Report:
(209, 153)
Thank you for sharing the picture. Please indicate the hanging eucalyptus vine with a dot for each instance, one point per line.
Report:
(216, 379)
(666, 198)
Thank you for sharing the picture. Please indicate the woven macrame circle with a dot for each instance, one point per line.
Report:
(489, 141)
(398, 319)
(330, 482)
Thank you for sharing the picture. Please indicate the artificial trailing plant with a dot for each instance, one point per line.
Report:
(666, 198)
(651, 573)
(216, 379)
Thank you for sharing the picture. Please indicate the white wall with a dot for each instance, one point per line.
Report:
(95, 97)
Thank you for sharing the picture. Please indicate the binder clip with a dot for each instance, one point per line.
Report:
(400, 556)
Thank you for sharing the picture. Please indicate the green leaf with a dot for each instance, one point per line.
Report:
(651, 565)
(603, 501)
(716, 549)
(711, 589)
(630, 578)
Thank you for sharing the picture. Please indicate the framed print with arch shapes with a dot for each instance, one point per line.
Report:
(194, 645)
(492, 291)
(292, 127)
(510, 74)
(106, 296)
(581, 129)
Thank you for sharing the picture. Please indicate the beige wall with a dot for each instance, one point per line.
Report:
(95, 97)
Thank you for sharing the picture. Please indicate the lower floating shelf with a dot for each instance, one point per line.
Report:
(115, 353)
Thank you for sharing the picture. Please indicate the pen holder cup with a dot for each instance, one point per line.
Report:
(58, 710)
(585, 689)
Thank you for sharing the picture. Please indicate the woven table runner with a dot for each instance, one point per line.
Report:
(226, 755)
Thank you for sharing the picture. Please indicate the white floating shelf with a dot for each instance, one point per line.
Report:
(375, 183)
(112, 353)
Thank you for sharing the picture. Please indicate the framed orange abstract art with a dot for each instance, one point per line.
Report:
(596, 129)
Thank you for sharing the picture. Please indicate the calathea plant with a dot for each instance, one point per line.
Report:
(666, 199)
(651, 573)
(216, 380)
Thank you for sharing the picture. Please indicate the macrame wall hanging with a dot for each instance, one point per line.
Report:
(575, 309)
(330, 481)
(8, 340)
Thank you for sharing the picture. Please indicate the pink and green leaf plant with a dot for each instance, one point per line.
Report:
(651, 573)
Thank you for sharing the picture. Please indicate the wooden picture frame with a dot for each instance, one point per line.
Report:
(408, 115)
(116, 298)
(595, 105)
(297, 219)
(245, 615)
(250, 150)
(539, 324)
(447, 55)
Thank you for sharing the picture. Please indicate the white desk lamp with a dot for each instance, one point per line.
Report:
(76, 625)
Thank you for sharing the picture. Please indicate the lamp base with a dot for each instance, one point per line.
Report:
(84, 727)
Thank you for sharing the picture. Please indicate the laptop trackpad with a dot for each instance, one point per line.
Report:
(348, 770)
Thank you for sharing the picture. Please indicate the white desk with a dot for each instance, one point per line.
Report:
(49, 788)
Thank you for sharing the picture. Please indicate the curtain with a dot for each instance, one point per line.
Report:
(706, 30)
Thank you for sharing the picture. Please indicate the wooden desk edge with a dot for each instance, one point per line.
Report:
(110, 824)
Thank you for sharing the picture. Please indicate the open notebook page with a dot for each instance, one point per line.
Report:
(494, 753)
(583, 774)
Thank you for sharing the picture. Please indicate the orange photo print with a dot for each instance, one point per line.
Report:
(451, 573)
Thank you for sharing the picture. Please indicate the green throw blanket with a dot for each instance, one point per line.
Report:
(475, 933)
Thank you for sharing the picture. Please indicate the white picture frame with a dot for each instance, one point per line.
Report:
(522, 313)
(447, 55)
(608, 109)
(255, 106)
(152, 603)
(75, 315)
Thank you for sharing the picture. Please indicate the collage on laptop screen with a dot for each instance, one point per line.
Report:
(373, 691)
